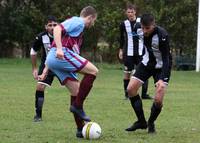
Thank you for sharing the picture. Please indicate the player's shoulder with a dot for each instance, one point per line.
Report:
(122, 23)
(75, 19)
(162, 31)
(41, 34)
(137, 25)
(138, 19)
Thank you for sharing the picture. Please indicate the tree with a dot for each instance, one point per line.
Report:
(21, 20)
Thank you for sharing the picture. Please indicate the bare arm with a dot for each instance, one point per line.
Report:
(57, 38)
(120, 54)
(121, 41)
(33, 55)
(44, 73)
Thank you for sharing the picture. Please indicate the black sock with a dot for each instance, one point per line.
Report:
(136, 103)
(155, 111)
(39, 100)
(126, 81)
(144, 88)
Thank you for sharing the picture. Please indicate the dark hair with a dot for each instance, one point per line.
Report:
(89, 10)
(147, 19)
(131, 6)
(51, 18)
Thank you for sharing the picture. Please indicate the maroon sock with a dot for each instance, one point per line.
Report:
(78, 120)
(84, 89)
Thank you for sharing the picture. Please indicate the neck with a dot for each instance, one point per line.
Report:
(132, 18)
(50, 35)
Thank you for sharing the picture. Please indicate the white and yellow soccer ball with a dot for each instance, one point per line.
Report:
(91, 130)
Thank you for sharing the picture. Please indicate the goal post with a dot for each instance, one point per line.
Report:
(198, 41)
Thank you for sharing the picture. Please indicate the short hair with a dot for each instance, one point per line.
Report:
(88, 10)
(147, 19)
(51, 18)
(131, 6)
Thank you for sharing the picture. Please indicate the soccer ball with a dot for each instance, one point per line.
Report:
(91, 130)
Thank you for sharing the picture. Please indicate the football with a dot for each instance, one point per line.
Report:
(91, 130)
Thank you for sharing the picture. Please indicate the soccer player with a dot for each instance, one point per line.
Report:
(64, 60)
(42, 42)
(156, 63)
(131, 48)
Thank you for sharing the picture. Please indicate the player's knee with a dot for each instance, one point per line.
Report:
(40, 87)
(131, 91)
(95, 71)
(160, 90)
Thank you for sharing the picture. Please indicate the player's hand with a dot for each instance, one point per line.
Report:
(121, 54)
(35, 74)
(59, 54)
(160, 84)
(42, 77)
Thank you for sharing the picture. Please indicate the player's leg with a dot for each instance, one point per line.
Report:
(144, 94)
(128, 67)
(135, 83)
(74, 62)
(136, 104)
(156, 108)
(39, 94)
(70, 80)
(126, 80)
(90, 72)
(157, 104)
(39, 100)
(73, 86)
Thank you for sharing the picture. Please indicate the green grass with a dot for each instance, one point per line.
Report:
(179, 122)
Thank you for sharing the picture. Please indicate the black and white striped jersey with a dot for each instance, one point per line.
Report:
(130, 42)
(157, 51)
(42, 42)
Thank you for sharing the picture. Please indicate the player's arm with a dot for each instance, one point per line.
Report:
(33, 55)
(165, 52)
(121, 41)
(57, 38)
(44, 74)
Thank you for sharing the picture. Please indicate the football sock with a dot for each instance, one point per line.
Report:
(39, 100)
(144, 88)
(155, 111)
(84, 89)
(126, 81)
(78, 120)
(136, 103)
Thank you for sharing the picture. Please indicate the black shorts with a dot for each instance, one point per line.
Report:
(50, 76)
(143, 73)
(130, 62)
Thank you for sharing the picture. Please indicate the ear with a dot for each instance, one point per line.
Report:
(90, 17)
(45, 27)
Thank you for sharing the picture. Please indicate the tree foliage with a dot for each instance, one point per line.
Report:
(21, 20)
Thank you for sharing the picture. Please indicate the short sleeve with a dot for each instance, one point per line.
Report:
(73, 26)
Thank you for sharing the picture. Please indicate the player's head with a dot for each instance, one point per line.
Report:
(147, 23)
(51, 22)
(89, 14)
(131, 11)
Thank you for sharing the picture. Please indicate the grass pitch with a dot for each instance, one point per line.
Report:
(179, 122)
